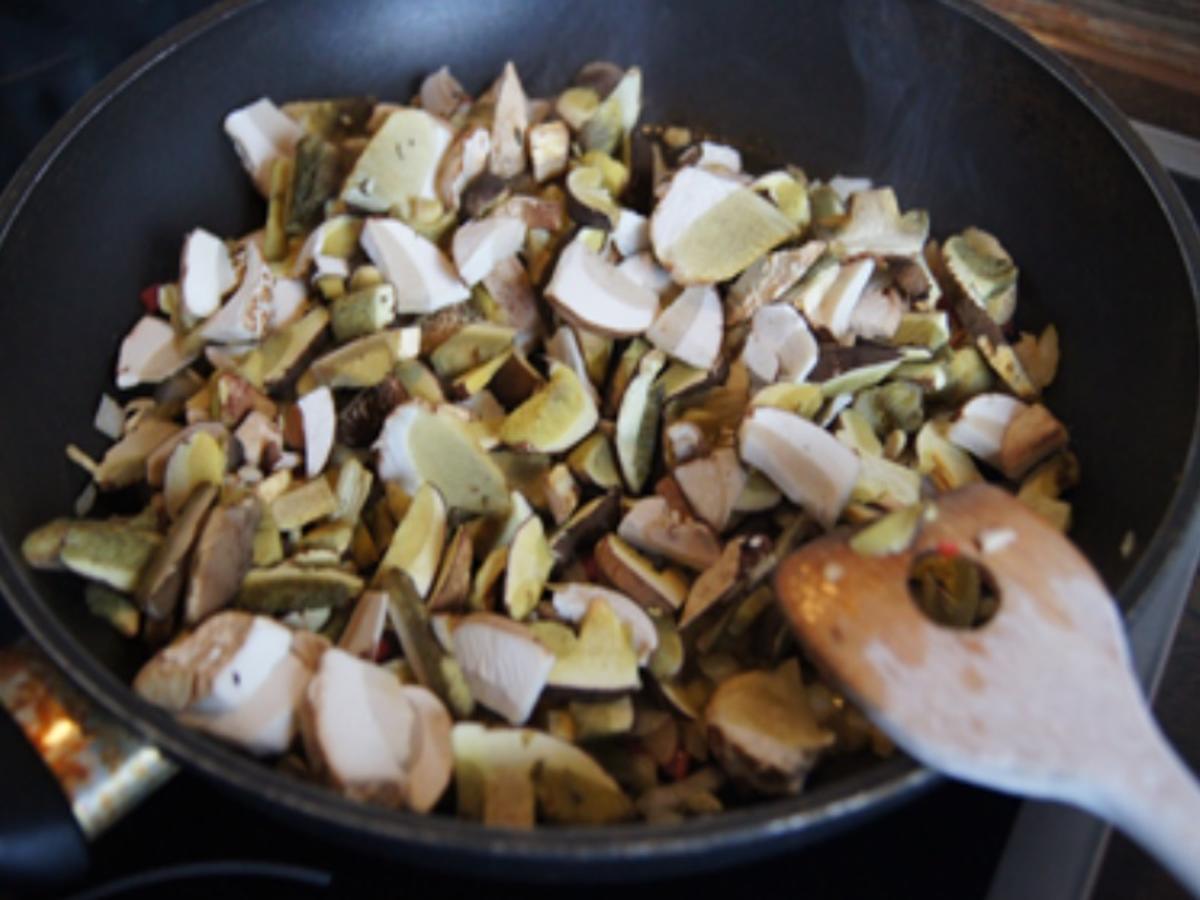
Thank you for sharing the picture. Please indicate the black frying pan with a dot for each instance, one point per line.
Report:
(958, 111)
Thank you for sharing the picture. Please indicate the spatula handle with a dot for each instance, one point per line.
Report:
(1152, 796)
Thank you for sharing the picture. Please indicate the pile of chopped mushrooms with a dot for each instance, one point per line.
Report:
(462, 481)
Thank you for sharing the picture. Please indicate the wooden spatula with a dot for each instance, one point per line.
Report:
(1040, 700)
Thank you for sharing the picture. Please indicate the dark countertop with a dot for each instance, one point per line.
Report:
(944, 844)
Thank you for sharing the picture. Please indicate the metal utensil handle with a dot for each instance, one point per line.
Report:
(74, 770)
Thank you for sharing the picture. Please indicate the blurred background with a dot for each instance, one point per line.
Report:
(1144, 53)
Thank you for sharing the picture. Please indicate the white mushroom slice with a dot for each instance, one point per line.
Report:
(980, 425)
(205, 273)
(441, 94)
(506, 667)
(593, 293)
(780, 346)
(631, 234)
(151, 353)
(318, 415)
(217, 667)
(360, 728)
(719, 156)
(400, 163)
(257, 434)
(262, 133)
(423, 278)
(433, 765)
(769, 279)
(549, 148)
(465, 158)
(571, 601)
(365, 628)
(875, 225)
(246, 315)
(813, 468)
(710, 227)
(508, 125)
(416, 445)
(287, 302)
(641, 268)
(563, 346)
(835, 309)
(110, 418)
(508, 284)
(652, 526)
(712, 486)
(479, 246)
(691, 328)
(265, 723)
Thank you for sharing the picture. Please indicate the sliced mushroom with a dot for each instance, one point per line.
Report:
(834, 309)
(295, 587)
(159, 587)
(810, 466)
(424, 280)
(572, 602)
(151, 353)
(769, 279)
(710, 227)
(471, 345)
(505, 666)
(509, 123)
(266, 721)
(981, 423)
(563, 346)
(360, 729)
(452, 588)
(417, 542)
(365, 628)
(399, 163)
(590, 522)
(222, 557)
(761, 729)
(529, 565)
(874, 225)
(557, 416)
(361, 418)
(318, 414)
(637, 422)
(600, 658)
(983, 272)
(509, 288)
(367, 361)
(652, 526)
(430, 772)
(480, 246)
(112, 552)
(1032, 435)
(549, 148)
(362, 312)
(562, 493)
(635, 576)
(877, 314)
(945, 464)
(247, 314)
(262, 133)
(217, 667)
(595, 295)
(132, 458)
(642, 269)
(570, 787)
(278, 357)
(726, 578)
(615, 116)
(712, 486)
(593, 461)
(303, 504)
(464, 161)
(691, 328)
(631, 233)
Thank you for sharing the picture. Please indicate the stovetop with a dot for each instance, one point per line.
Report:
(192, 840)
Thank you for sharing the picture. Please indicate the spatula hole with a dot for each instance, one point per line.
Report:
(952, 590)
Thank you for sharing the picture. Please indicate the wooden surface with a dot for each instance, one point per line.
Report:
(1145, 54)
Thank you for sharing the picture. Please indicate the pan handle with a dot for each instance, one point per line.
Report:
(70, 769)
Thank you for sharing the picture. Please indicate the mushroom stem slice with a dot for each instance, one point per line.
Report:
(596, 295)
(509, 123)
(761, 729)
(262, 133)
(652, 526)
(691, 328)
(815, 470)
(505, 665)
(318, 415)
(424, 280)
(480, 245)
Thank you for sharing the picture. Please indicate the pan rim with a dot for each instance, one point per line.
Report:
(751, 831)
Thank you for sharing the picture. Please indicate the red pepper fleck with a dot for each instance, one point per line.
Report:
(149, 297)
(948, 549)
(677, 768)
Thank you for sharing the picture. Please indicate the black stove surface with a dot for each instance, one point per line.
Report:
(193, 840)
